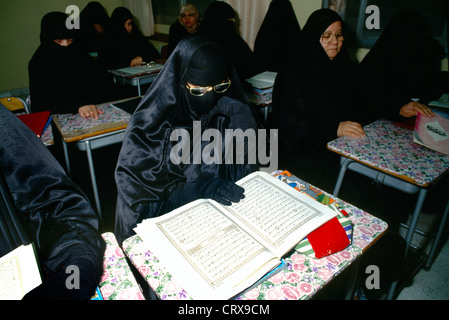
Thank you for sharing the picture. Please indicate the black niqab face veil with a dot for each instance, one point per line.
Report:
(53, 26)
(207, 68)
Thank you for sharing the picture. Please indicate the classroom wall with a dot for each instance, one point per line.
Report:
(20, 28)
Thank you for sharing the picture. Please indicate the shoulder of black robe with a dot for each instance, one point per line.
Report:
(145, 174)
(281, 26)
(176, 33)
(312, 93)
(53, 210)
(391, 73)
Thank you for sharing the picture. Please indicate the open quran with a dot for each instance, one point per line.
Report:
(216, 251)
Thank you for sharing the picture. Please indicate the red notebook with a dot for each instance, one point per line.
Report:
(36, 121)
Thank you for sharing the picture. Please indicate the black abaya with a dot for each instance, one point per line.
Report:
(149, 182)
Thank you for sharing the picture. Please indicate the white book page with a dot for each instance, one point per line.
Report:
(19, 273)
(280, 215)
(206, 252)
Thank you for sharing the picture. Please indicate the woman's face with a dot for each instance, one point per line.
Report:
(188, 19)
(129, 25)
(332, 39)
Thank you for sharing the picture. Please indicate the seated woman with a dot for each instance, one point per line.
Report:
(187, 23)
(94, 24)
(50, 211)
(198, 83)
(126, 45)
(403, 65)
(313, 101)
(281, 26)
(219, 25)
(64, 78)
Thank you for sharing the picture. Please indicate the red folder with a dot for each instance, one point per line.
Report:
(36, 121)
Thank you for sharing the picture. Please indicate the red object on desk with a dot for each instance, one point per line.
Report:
(36, 121)
(329, 238)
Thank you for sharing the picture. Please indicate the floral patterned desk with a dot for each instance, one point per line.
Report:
(389, 147)
(304, 275)
(117, 282)
(73, 127)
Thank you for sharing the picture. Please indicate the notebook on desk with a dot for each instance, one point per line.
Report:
(433, 132)
(138, 70)
(36, 121)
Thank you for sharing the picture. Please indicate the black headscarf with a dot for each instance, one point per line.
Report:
(93, 13)
(62, 79)
(149, 182)
(403, 64)
(50, 211)
(281, 26)
(219, 25)
(123, 47)
(312, 95)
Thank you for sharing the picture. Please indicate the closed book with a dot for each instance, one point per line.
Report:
(36, 121)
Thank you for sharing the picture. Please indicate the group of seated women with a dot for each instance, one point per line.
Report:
(316, 99)
(63, 75)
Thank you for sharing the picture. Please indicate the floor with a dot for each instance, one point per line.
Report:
(390, 205)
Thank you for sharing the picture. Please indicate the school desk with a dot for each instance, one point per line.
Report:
(136, 76)
(389, 156)
(304, 276)
(89, 134)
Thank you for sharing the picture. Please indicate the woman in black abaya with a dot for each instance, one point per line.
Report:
(150, 182)
(126, 45)
(313, 101)
(403, 64)
(218, 25)
(64, 78)
(49, 210)
(281, 26)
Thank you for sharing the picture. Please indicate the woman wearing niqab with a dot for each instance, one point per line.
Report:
(313, 100)
(149, 182)
(94, 24)
(218, 25)
(124, 46)
(280, 25)
(64, 78)
(403, 64)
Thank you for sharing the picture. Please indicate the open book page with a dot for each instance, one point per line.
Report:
(19, 273)
(280, 215)
(217, 251)
(207, 252)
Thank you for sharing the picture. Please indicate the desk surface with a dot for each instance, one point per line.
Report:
(73, 127)
(303, 277)
(389, 148)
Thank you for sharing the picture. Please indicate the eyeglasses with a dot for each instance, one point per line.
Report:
(327, 37)
(201, 91)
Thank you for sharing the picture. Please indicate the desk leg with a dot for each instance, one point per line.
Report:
(341, 175)
(66, 156)
(138, 87)
(437, 237)
(94, 180)
(415, 217)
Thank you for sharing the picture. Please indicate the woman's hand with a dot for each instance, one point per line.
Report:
(137, 61)
(350, 129)
(412, 108)
(89, 111)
